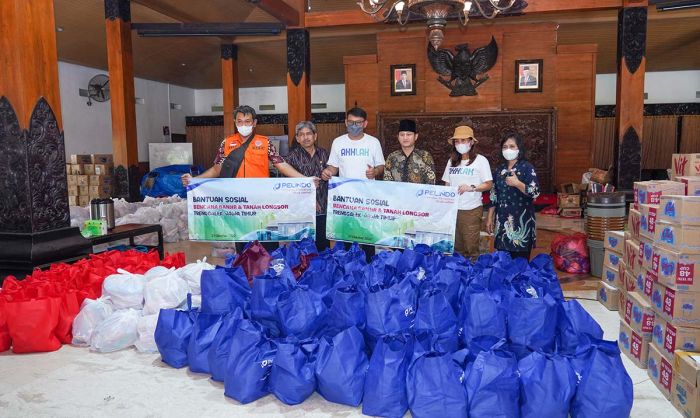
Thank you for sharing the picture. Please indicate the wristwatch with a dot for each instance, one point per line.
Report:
(473, 188)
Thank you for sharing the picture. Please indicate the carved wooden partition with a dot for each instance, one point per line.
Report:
(537, 127)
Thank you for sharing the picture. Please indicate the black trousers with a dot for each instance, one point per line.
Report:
(321, 240)
(517, 254)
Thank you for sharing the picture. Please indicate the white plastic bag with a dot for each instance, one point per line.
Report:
(116, 332)
(164, 292)
(157, 271)
(192, 274)
(146, 328)
(92, 313)
(124, 289)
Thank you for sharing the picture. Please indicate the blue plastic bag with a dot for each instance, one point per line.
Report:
(449, 282)
(221, 346)
(292, 378)
(172, 335)
(493, 388)
(165, 181)
(548, 383)
(543, 265)
(224, 289)
(482, 314)
(605, 389)
(575, 325)
(532, 322)
(204, 330)
(385, 385)
(390, 310)
(249, 363)
(263, 300)
(341, 367)
(434, 385)
(301, 312)
(347, 309)
(435, 315)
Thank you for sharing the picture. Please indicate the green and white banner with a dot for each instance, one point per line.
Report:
(274, 209)
(392, 214)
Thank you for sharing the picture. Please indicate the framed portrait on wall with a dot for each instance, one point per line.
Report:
(528, 76)
(403, 80)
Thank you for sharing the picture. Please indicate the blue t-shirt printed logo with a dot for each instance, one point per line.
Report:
(354, 152)
(463, 171)
(670, 209)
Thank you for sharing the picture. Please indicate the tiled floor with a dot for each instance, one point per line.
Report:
(73, 382)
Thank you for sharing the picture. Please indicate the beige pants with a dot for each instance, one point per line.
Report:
(467, 232)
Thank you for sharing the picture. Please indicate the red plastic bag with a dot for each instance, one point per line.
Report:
(32, 324)
(69, 308)
(570, 253)
(5, 340)
(254, 260)
(176, 260)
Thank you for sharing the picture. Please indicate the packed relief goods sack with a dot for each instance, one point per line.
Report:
(146, 329)
(92, 313)
(164, 292)
(124, 289)
(192, 274)
(118, 331)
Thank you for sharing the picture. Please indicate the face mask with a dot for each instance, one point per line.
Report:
(244, 130)
(510, 154)
(463, 148)
(354, 130)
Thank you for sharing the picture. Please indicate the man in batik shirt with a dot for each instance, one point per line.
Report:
(409, 164)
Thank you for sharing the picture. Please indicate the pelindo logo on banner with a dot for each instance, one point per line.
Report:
(251, 209)
(391, 214)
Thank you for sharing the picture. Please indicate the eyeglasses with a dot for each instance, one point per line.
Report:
(355, 122)
(302, 134)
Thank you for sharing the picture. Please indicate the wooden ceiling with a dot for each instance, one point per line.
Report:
(673, 40)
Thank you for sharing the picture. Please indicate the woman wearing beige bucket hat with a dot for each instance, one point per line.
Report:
(471, 173)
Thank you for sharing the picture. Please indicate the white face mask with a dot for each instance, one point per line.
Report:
(510, 154)
(463, 148)
(244, 130)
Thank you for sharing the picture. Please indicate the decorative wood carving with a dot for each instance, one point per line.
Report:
(628, 154)
(659, 109)
(632, 35)
(229, 51)
(268, 119)
(298, 54)
(127, 182)
(537, 128)
(46, 162)
(15, 210)
(463, 67)
(118, 9)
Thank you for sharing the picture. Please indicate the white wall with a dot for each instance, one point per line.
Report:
(331, 94)
(661, 87)
(88, 129)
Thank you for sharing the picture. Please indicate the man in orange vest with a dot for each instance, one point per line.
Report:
(245, 154)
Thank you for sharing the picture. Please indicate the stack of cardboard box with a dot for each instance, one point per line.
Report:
(89, 177)
(684, 382)
(683, 165)
(613, 266)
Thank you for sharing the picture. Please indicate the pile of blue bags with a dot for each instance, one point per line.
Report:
(412, 330)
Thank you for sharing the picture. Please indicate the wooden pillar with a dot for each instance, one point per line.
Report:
(121, 81)
(629, 110)
(229, 82)
(298, 78)
(34, 217)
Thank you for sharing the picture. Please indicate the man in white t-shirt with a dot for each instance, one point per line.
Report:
(471, 173)
(356, 155)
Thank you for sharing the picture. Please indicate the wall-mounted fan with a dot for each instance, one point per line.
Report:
(98, 89)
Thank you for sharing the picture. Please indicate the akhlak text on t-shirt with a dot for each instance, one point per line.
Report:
(464, 171)
(354, 152)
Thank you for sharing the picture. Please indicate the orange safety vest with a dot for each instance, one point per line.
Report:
(256, 160)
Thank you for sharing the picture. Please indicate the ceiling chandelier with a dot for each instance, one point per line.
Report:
(436, 12)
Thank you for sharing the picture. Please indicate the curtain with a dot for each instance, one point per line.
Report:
(659, 142)
(603, 142)
(690, 134)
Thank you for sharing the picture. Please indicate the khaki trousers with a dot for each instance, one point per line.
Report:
(467, 233)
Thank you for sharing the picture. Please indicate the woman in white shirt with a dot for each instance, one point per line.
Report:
(471, 173)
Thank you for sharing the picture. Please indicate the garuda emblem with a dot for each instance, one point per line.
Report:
(464, 67)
